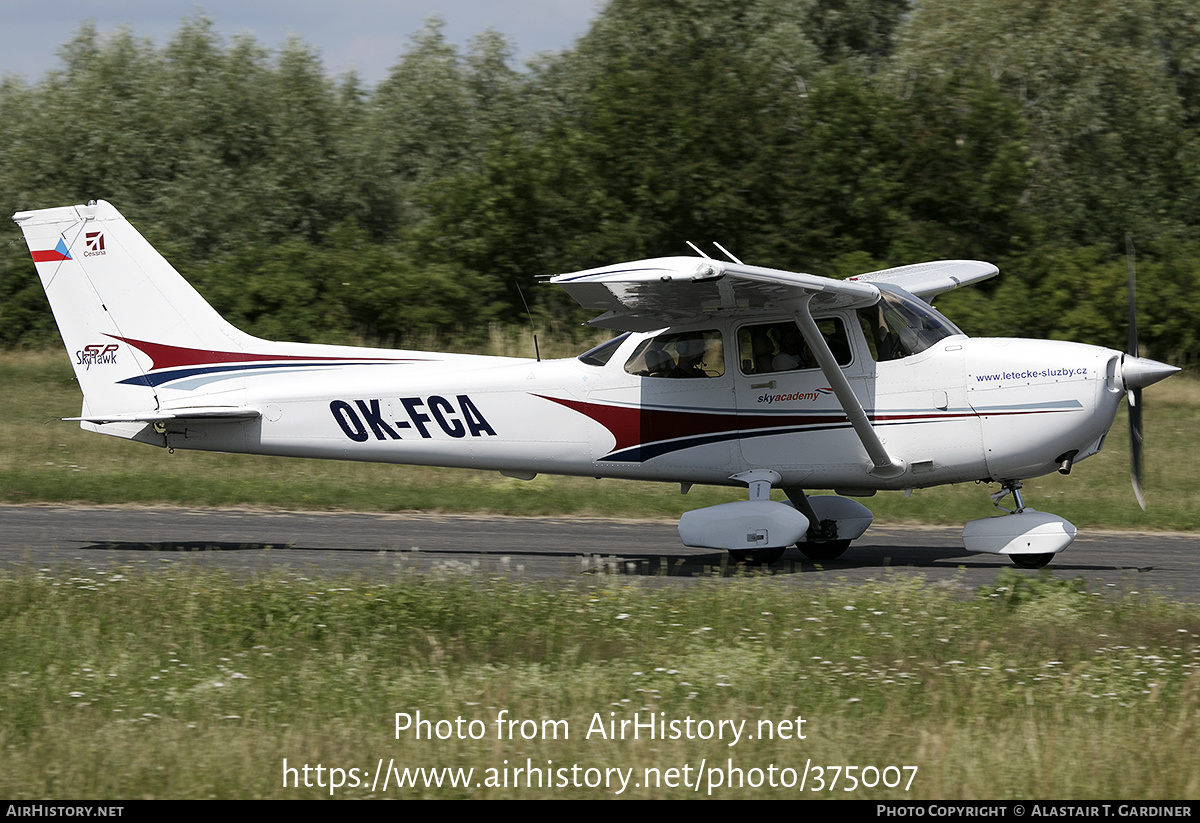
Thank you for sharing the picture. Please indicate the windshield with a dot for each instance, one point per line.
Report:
(600, 355)
(901, 325)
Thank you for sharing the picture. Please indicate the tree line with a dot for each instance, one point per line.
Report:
(828, 136)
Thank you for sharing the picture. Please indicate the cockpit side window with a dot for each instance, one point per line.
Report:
(679, 355)
(900, 325)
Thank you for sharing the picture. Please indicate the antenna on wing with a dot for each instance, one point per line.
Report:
(532, 327)
(726, 252)
(697, 250)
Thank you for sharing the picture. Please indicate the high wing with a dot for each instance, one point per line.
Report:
(926, 280)
(650, 294)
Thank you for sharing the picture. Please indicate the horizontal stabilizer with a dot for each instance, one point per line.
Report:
(162, 415)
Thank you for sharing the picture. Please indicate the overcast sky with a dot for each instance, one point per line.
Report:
(362, 35)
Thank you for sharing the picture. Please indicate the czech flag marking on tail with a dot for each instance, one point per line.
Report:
(58, 253)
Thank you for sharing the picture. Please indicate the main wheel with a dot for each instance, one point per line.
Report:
(829, 550)
(1031, 561)
(756, 557)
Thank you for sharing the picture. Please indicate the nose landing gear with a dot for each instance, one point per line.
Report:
(1030, 538)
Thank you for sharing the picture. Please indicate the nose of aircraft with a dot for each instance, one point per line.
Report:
(1139, 372)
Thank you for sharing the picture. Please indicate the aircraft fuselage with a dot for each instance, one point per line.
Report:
(964, 409)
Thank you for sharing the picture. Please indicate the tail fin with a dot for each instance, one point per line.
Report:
(145, 345)
(121, 308)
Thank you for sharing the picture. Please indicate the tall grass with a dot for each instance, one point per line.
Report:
(191, 683)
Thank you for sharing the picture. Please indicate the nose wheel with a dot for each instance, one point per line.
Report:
(1031, 561)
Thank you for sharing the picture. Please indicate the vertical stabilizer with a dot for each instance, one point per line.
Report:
(115, 299)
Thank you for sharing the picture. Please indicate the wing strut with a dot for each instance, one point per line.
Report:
(884, 465)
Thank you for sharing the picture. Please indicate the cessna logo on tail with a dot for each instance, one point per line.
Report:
(95, 243)
(364, 418)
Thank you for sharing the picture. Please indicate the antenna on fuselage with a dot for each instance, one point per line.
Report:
(532, 327)
(697, 250)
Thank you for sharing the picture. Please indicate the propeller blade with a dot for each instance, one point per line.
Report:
(1134, 395)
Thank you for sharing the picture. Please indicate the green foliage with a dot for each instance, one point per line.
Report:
(25, 317)
(964, 170)
(847, 29)
(1099, 88)
(845, 178)
(344, 287)
(802, 134)
(1168, 313)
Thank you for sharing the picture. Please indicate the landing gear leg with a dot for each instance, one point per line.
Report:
(1008, 487)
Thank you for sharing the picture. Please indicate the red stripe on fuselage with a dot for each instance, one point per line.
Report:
(633, 426)
(168, 357)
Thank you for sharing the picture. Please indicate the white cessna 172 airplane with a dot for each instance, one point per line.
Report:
(725, 374)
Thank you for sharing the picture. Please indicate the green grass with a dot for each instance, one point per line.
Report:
(136, 682)
(42, 460)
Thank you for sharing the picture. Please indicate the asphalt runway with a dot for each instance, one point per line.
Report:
(538, 548)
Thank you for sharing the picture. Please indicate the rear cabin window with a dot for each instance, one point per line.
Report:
(777, 347)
